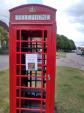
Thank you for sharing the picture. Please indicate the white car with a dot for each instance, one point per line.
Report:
(79, 51)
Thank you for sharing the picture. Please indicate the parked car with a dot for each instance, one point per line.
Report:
(80, 50)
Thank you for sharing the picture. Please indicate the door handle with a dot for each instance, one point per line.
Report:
(49, 77)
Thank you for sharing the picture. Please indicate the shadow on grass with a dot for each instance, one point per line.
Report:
(59, 109)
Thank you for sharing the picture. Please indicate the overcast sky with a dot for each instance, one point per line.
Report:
(70, 15)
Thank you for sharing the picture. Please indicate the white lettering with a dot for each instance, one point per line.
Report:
(32, 17)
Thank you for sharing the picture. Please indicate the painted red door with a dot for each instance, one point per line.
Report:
(31, 87)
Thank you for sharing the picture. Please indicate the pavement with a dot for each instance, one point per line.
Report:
(4, 62)
(71, 60)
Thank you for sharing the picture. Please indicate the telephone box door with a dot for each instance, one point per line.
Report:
(32, 70)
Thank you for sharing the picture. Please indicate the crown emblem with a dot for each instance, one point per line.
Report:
(32, 9)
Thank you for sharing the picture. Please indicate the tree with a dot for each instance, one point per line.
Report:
(6, 38)
(63, 43)
(72, 45)
(59, 42)
(3, 37)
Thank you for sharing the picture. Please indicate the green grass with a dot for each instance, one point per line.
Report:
(60, 54)
(69, 90)
(4, 80)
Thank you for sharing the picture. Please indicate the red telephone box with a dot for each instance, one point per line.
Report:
(32, 41)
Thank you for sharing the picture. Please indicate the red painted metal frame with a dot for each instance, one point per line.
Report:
(50, 26)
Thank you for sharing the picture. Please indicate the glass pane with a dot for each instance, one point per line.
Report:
(34, 81)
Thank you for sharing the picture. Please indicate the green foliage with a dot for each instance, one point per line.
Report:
(3, 37)
(63, 43)
(72, 45)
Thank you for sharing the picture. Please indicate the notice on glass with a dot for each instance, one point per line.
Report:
(31, 62)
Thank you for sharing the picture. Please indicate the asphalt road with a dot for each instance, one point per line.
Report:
(4, 62)
(71, 60)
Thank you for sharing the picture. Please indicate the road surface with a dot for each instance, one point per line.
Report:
(4, 62)
(71, 60)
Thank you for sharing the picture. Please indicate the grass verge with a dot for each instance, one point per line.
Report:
(4, 92)
(60, 54)
(69, 90)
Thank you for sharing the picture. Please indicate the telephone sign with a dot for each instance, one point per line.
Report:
(32, 17)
